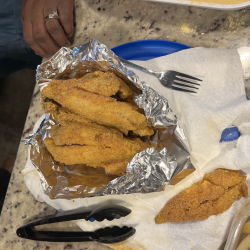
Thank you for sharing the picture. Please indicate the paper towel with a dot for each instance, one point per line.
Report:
(220, 102)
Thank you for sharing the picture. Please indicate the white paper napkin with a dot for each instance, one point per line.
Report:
(221, 102)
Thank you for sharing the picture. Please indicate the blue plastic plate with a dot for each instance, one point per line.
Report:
(149, 49)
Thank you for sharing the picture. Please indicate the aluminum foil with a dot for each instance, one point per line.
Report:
(149, 170)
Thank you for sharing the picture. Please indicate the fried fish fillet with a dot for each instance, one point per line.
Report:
(65, 116)
(109, 80)
(100, 109)
(92, 154)
(98, 82)
(144, 131)
(50, 107)
(88, 134)
(124, 90)
(78, 134)
(213, 195)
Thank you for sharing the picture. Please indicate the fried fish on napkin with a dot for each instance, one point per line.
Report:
(214, 194)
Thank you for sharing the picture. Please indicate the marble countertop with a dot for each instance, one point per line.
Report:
(115, 22)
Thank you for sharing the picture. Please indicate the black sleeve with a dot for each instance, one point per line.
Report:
(4, 181)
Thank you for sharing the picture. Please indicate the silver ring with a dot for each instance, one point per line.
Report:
(51, 16)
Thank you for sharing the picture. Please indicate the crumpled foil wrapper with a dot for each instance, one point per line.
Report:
(149, 170)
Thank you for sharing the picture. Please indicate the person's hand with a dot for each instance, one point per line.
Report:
(46, 37)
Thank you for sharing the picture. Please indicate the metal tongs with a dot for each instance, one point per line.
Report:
(104, 235)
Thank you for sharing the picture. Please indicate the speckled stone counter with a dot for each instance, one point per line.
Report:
(115, 22)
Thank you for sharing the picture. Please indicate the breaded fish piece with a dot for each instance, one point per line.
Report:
(106, 84)
(211, 196)
(98, 82)
(146, 131)
(77, 134)
(114, 167)
(66, 117)
(100, 109)
(50, 107)
(123, 91)
(90, 154)
(225, 178)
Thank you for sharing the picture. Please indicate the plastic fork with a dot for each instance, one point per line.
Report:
(171, 79)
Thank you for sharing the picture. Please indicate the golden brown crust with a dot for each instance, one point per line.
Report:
(108, 151)
(93, 122)
(211, 196)
(78, 134)
(225, 178)
(74, 154)
(146, 131)
(106, 84)
(124, 90)
(65, 117)
(103, 110)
